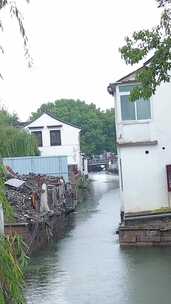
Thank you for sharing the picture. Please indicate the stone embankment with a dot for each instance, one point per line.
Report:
(36, 226)
(146, 229)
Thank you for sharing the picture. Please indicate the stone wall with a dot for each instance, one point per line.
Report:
(37, 235)
(149, 230)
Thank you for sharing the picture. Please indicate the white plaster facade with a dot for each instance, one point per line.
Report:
(84, 170)
(144, 150)
(70, 138)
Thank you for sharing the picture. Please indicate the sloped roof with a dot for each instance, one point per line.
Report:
(54, 117)
(22, 124)
(129, 78)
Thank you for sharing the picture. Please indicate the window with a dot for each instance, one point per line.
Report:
(127, 108)
(55, 137)
(138, 110)
(38, 136)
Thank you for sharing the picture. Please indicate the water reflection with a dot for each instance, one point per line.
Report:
(148, 272)
(64, 270)
(88, 266)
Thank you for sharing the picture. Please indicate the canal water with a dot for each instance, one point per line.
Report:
(87, 266)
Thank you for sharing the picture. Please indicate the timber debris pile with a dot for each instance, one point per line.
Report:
(32, 196)
(40, 204)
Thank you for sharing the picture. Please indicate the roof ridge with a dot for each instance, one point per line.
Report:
(52, 115)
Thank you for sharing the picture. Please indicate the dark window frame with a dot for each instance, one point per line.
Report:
(38, 139)
(55, 141)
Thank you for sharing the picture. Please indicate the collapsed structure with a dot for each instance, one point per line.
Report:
(40, 205)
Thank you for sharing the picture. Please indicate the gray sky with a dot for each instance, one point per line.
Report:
(74, 45)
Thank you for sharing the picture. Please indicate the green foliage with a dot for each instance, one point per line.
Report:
(8, 211)
(143, 43)
(83, 183)
(7, 119)
(16, 142)
(97, 127)
(12, 262)
(12, 255)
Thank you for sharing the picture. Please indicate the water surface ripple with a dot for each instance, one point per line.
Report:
(87, 266)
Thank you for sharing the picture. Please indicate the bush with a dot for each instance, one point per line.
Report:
(16, 142)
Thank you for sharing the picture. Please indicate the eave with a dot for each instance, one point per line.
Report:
(137, 143)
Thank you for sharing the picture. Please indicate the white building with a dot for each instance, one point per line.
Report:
(55, 137)
(144, 146)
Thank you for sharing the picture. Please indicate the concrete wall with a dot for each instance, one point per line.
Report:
(70, 138)
(143, 178)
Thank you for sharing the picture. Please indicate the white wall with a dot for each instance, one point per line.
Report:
(144, 175)
(144, 178)
(70, 139)
(131, 131)
(85, 165)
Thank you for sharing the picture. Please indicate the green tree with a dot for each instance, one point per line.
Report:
(7, 119)
(97, 127)
(16, 142)
(109, 130)
(155, 42)
(13, 140)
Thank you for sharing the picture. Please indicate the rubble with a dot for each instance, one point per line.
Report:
(14, 182)
(24, 195)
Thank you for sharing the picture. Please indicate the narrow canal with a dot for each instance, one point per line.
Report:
(87, 265)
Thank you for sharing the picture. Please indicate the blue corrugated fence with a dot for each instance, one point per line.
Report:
(49, 165)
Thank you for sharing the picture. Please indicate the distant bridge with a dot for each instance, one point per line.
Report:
(94, 162)
(97, 164)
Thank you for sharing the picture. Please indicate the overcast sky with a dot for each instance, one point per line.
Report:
(74, 45)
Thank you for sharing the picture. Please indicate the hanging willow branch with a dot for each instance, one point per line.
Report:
(162, 3)
(15, 12)
(12, 249)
